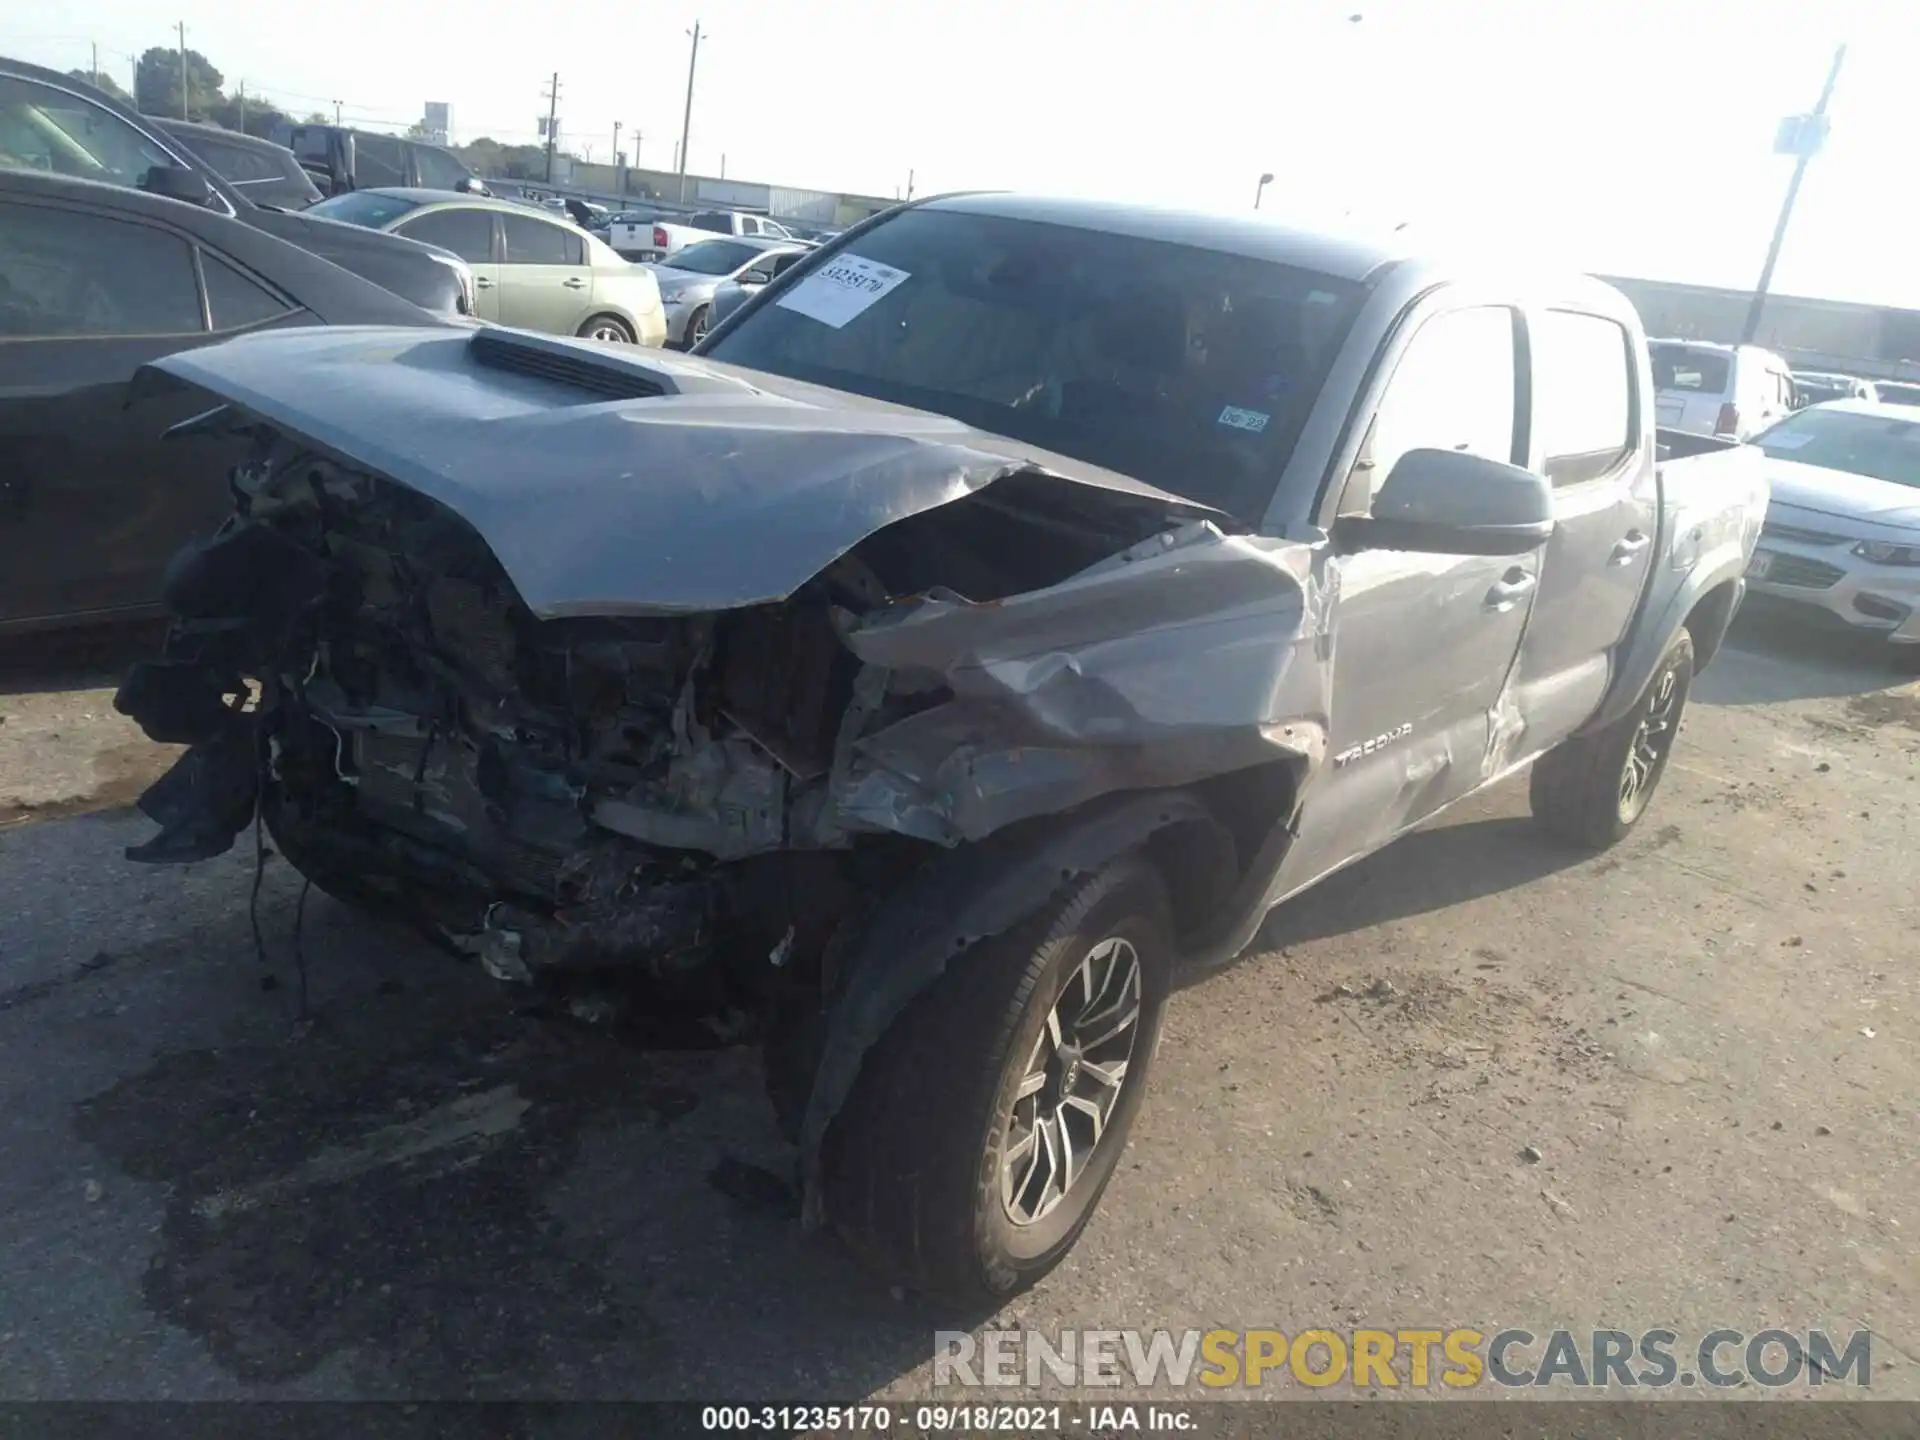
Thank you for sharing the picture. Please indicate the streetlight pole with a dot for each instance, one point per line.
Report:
(1265, 180)
(183, 69)
(686, 119)
(1803, 155)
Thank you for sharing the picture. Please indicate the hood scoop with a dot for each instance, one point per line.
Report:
(610, 378)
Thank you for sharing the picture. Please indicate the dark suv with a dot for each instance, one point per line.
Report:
(264, 172)
(341, 159)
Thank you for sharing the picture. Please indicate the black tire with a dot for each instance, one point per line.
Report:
(696, 330)
(1579, 789)
(608, 328)
(911, 1167)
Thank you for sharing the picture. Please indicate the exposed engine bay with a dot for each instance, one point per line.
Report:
(701, 795)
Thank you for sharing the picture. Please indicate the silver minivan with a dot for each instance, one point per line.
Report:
(1734, 391)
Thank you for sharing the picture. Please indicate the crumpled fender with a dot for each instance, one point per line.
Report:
(964, 896)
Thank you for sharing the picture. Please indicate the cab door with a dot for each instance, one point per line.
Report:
(545, 282)
(468, 231)
(1422, 644)
(1587, 440)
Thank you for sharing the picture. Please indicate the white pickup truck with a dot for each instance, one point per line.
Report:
(642, 237)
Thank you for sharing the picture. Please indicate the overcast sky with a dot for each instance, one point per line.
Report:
(1612, 135)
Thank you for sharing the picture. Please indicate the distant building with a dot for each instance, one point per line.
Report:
(609, 184)
(1813, 334)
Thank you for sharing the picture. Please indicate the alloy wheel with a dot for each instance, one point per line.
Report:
(1072, 1082)
(1651, 742)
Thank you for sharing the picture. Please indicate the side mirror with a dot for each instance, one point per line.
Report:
(176, 182)
(1446, 502)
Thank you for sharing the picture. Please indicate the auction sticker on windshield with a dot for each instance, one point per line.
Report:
(841, 289)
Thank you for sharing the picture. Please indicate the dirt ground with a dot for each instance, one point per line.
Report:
(1476, 1080)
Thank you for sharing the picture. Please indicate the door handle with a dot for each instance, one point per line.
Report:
(481, 282)
(1631, 544)
(574, 283)
(1509, 590)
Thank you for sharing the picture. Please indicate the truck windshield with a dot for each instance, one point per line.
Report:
(1190, 369)
(1880, 446)
(368, 208)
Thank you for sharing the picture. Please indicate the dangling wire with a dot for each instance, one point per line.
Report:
(259, 875)
(299, 953)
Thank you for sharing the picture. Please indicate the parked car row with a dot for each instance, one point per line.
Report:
(1738, 391)
(96, 280)
(531, 268)
(59, 126)
(654, 236)
(123, 239)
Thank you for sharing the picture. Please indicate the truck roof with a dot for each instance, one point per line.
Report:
(1350, 257)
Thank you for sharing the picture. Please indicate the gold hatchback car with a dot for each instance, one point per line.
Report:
(530, 270)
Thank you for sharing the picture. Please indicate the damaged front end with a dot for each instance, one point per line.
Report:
(707, 797)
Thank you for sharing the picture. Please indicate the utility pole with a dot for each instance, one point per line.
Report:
(183, 69)
(686, 118)
(336, 112)
(243, 107)
(909, 184)
(94, 73)
(615, 159)
(553, 108)
(1803, 154)
(133, 64)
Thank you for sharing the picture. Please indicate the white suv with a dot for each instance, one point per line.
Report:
(1734, 391)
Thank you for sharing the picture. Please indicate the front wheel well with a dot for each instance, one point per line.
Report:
(1708, 620)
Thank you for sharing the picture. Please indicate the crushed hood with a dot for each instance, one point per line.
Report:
(611, 480)
(1845, 495)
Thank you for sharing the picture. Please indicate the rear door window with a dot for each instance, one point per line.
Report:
(69, 273)
(235, 300)
(467, 233)
(1583, 379)
(535, 242)
(239, 163)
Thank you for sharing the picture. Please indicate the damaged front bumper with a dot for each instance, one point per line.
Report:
(639, 763)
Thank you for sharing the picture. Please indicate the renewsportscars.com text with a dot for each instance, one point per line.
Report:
(1411, 1358)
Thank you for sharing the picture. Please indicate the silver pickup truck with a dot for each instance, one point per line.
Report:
(1007, 607)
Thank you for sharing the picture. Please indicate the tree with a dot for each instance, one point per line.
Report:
(317, 117)
(487, 156)
(156, 84)
(99, 79)
(256, 117)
